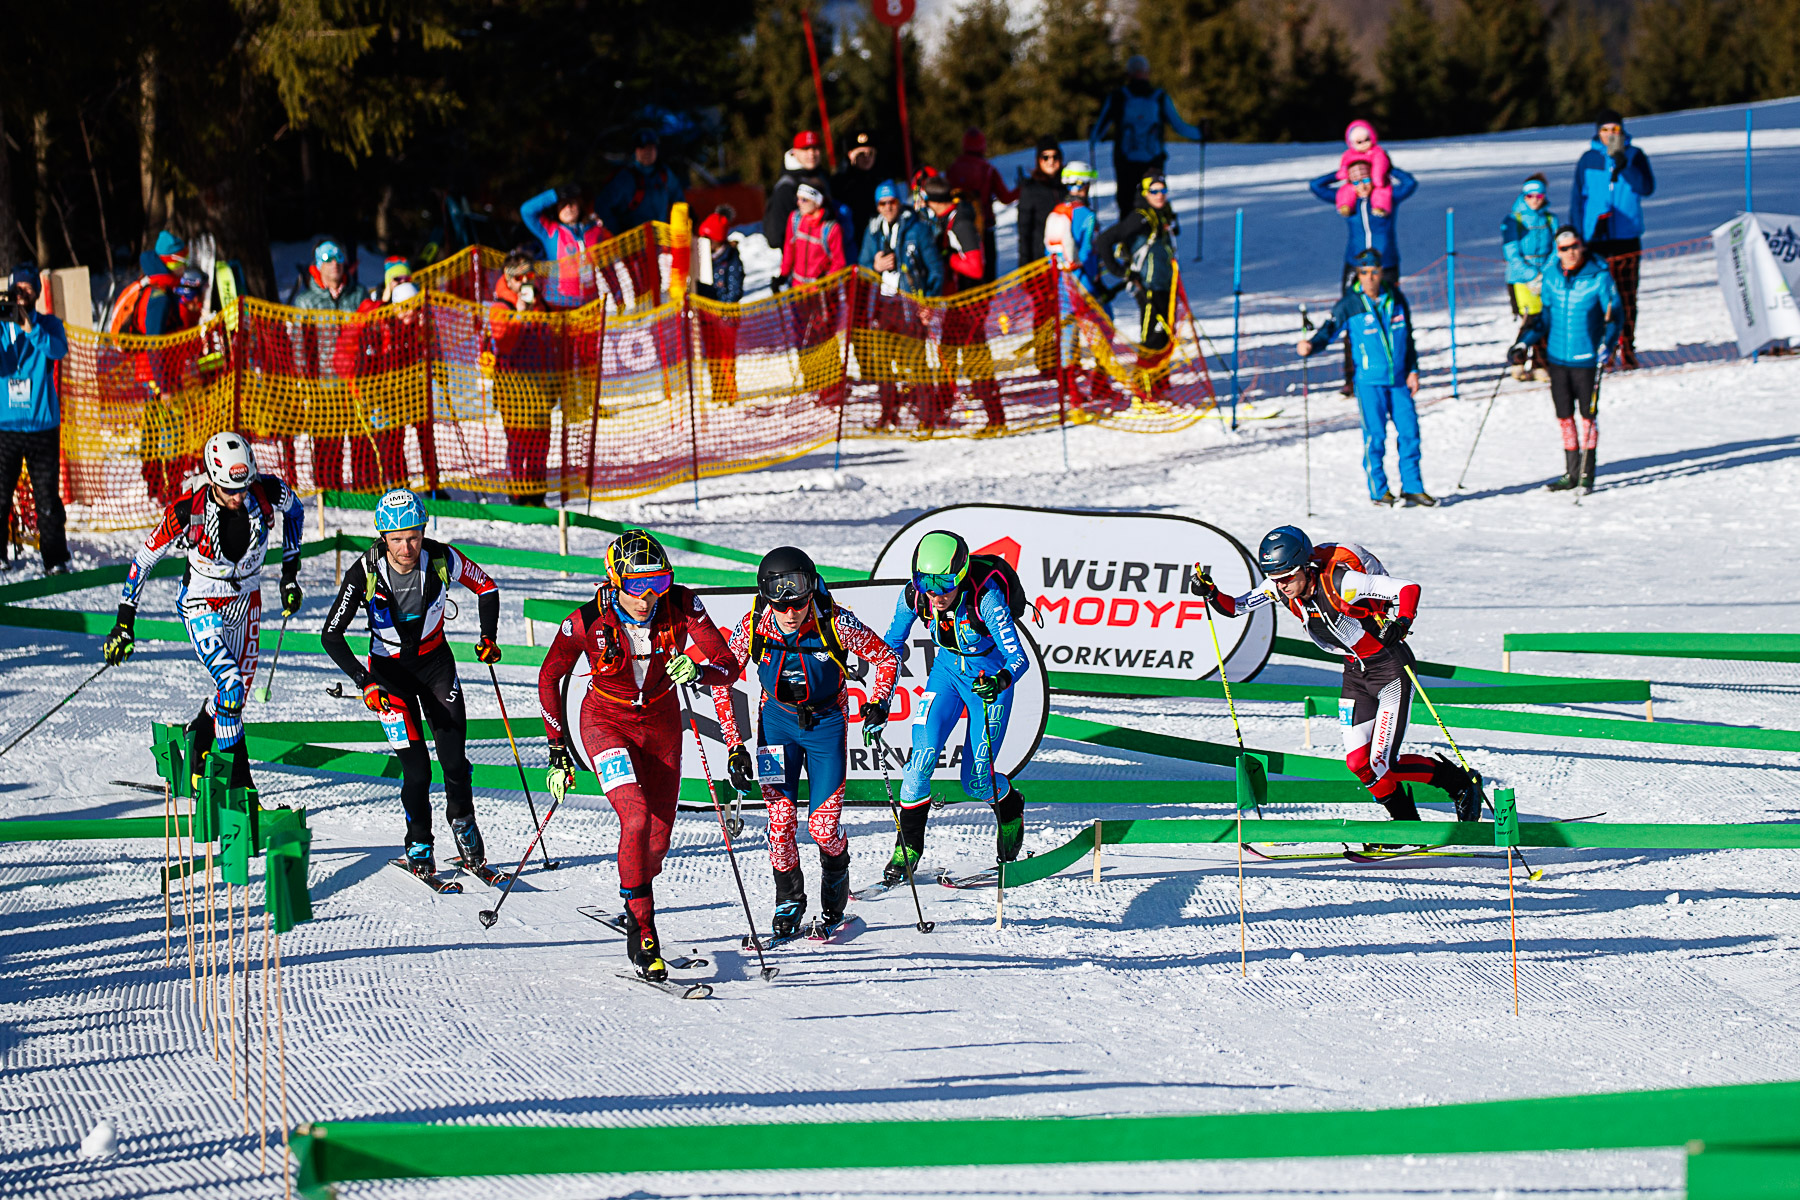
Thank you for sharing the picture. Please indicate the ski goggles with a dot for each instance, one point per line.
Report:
(788, 590)
(657, 584)
(939, 585)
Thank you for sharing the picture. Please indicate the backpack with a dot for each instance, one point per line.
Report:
(1343, 558)
(825, 621)
(127, 310)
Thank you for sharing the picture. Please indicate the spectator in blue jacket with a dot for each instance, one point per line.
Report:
(1377, 325)
(31, 344)
(1606, 206)
(643, 190)
(1367, 230)
(1527, 239)
(900, 246)
(1579, 328)
(1136, 114)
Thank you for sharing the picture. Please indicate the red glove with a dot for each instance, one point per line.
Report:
(487, 650)
(374, 697)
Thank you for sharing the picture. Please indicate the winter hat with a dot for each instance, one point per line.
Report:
(395, 268)
(806, 139)
(405, 290)
(168, 245)
(860, 139)
(888, 189)
(714, 228)
(807, 191)
(1368, 258)
(1352, 127)
(1533, 187)
(974, 142)
(1048, 143)
(1137, 64)
(1608, 116)
(327, 251)
(25, 272)
(645, 137)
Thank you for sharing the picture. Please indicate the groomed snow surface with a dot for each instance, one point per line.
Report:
(1366, 987)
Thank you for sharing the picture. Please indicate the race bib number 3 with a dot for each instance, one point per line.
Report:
(615, 768)
(771, 765)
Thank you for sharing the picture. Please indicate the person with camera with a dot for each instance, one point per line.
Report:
(31, 344)
(556, 220)
(798, 640)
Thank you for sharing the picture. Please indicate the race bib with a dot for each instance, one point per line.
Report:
(615, 769)
(18, 393)
(393, 723)
(771, 765)
(1346, 712)
(208, 624)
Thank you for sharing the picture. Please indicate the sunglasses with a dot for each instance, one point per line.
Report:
(648, 585)
(1049, 154)
(1571, 248)
(1158, 191)
(937, 585)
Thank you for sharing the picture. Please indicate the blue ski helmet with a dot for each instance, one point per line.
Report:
(399, 509)
(1284, 551)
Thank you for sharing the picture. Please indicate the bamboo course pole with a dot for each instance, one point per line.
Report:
(281, 1064)
(168, 906)
(262, 1111)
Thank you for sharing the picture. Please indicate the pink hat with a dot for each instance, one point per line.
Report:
(1353, 126)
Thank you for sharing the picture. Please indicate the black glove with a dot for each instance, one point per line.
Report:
(739, 766)
(988, 687)
(560, 758)
(1517, 354)
(777, 284)
(118, 644)
(874, 720)
(1395, 631)
(291, 595)
(1203, 585)
(487, 650)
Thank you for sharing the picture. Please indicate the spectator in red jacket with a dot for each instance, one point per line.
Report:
(812, 250)
(980, 183)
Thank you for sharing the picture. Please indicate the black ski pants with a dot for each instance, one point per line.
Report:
(429, 692)
(39, 453)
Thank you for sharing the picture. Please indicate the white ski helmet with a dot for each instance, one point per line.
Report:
(230, 463)
(1077, 174)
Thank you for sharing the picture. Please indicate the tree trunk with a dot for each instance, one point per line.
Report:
(384, 219)
(233, 202)
(150, 193)
(10, 249)
(40, 141)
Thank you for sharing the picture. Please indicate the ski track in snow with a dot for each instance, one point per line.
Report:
(1113, 998)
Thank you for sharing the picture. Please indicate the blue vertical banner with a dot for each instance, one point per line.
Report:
(1237, 298)
(1450, 286)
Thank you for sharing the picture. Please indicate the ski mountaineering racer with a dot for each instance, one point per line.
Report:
(798, 638)
(975, 658)
(223, 526)
(1351, 606)
(403, 582)
(633, 633)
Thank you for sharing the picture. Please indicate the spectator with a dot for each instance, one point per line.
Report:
(151, 306)
(812, 250)
(718, 331)
(854, 186)
(1141, 250)
(963, 350)
(330, 286)
(1364, 146)
(1580, 325)
(1527, 239)
(525, 374)
(1136, 113)
(1039, 193)
(800, 165)
(555, 219)
(975, 177)
(1377, 321)
(1069, 239)
(148, 305)
(383, 363)
(1367, 230)
(31, 344)
(644, 189)
(901, 247)
(1606, 206)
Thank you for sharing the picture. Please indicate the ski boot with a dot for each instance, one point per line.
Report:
(1571, 476)
(790, 901)
(909, 847)
(1464, 788)
(1009, 825)
(834, 887)
(1587, 479)
(419, 860)
(904, 862)
(1401, 807)
(199, 739)
(1419, 499)
(468, 841)
(644, 950)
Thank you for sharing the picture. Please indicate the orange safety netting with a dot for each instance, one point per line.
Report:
(637, 389)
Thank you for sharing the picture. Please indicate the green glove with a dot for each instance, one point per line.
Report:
(562, 771)
(118, 644)
(989, 687)
(682, 669)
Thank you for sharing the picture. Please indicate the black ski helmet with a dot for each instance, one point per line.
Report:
(1284, 550)
(787, 575)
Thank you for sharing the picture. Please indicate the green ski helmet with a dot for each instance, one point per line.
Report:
(940, 563)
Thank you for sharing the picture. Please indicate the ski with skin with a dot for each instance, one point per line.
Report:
(483, 872)
(437, 883)
(877, 889)
(842, 931)
(617, 925)
(681, 991)
(771, 940)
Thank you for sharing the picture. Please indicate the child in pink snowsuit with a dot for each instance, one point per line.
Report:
(1364, 148)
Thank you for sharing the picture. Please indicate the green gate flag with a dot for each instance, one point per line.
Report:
(284, 876)
(165, 744)
(1506, 818)
(1252, 780)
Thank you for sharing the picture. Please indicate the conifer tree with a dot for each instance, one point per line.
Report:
(1499, 67)
(1413, 93)
(1067, 65)
(973, 83)
(1580, 73)
(1316, 88)
(1213, 59)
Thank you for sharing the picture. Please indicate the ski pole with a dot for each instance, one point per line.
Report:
(987, 723)
(1226, 680)
(53, 711)
(768, 972)
(262, 693)
(518, 762)
(1492, 396)
(1306, 426)
(1593, 428)
(887, 785)
(488, 916)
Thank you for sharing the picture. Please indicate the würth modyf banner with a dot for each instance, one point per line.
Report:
(1112, 587)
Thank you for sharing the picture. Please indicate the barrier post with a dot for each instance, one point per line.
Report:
(812, 54)
(687, 354)
(1450, 260)
(1237, 298)
(594, 417)
(900, 95)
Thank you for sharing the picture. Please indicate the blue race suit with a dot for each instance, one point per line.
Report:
(1381, 341)
(959, 652)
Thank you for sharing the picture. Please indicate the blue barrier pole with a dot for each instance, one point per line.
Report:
(1237, 297)
(1749, 125)
(1450, 258)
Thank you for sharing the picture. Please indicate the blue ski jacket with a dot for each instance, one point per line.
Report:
(1380, 333)
(28, 367)
(973, 643)
(1611, 188)
(914, 243)
(1528, 240)
(638, 194)
(1582, 312)
(1138, 113)
(1366, 229)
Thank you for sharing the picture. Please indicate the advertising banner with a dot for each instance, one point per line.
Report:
(1112, 588)
(873, 603)
(1759, 265)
